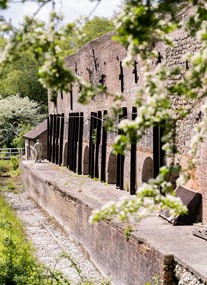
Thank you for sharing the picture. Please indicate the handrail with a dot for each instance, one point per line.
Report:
(7, 153)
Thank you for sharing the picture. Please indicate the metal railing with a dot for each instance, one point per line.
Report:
(7, 153)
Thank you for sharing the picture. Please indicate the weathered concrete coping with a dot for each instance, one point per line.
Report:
(187, 249)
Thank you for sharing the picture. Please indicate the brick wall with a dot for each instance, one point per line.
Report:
(103, 56)
(124, 262)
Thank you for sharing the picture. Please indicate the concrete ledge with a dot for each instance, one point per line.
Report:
(151, 249)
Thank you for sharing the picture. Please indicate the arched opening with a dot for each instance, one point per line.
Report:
(86, 161)
(112, 166)
(147, 170)
(65, 154)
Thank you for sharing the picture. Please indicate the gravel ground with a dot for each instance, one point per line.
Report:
(51, 243)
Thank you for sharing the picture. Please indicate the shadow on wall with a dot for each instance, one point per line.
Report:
(86, 161)
(148, 169)
(112, 166)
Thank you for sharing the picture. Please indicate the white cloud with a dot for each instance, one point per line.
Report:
(71, 9)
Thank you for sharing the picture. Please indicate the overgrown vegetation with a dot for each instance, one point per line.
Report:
(18, 266)
(5, 166)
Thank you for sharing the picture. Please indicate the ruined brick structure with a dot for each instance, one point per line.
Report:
(72, 126)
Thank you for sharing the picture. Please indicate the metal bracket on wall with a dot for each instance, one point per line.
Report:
(76, 68)
(136, 77)
(102, 79)
(159, 58)
(121, 76)
(95, 60)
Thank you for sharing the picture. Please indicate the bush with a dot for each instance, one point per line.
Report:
(15, 162)
(5, 166)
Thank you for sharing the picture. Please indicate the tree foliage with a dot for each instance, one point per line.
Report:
(139, 25)
(21, 77)
(14, 113)
(80, 36)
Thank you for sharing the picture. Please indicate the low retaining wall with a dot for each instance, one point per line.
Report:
(69, 199)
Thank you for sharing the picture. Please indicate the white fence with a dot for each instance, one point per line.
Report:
(7, 153)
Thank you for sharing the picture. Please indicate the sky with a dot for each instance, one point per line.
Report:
(71, 9)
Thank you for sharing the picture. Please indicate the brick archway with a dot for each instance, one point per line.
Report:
(65, 154)
(86, 161)
(147, 169)
(111, 171)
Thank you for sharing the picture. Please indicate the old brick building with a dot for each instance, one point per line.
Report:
(71, 126)
(39, 132)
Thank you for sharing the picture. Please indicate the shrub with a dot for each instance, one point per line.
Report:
(15, 162)
(5, 166)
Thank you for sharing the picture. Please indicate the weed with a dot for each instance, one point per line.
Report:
(96, 179)
(156, 280)
(127, 232)
(11, 185)
(74, 264)
(126, 186)
(94, 136)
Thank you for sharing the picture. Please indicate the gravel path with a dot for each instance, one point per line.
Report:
(51, 243)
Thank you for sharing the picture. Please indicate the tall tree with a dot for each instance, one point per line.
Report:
(21, 77)
(80, 36)
(14, 112)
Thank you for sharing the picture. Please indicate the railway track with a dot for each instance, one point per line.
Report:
(52, 246)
